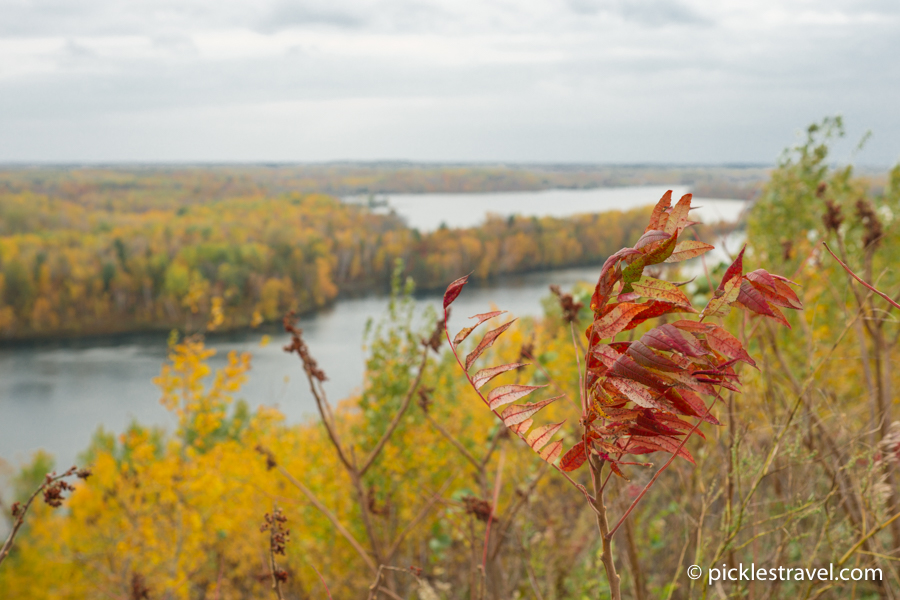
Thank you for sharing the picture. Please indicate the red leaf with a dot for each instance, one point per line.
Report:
(676, 423)
(626, 368)
(518, 413)
(753, 299)
(774, 290)
(464, 333)
(657, 289)
(655, 255)
(721, 302)
(538, 438)
(724, 343)
(688, 249)
(609, 275)
(658, 210)
(650, 237)
(735, 270)
(616, 320)
(522, 427)
(678, 218)
(574, 458)
(656, 308)
(645, 445)
(644, 355)
(509, 393)
(454, 289)
(689, 403)
(552, 452)
(668, 338)
(485, 375)
(635, 392)
(489, 338)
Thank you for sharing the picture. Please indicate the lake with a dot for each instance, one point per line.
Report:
(54, 396)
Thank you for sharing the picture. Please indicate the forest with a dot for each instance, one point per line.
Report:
(758, 428)
(105, 251)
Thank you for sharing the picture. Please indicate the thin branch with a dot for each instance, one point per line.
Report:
(487, 530)
(327, 591)
(331, 517)
(423, 512)
(456, 443)
(19, 511)
(859, 279)
(398, 417)
(663, 468)
(862, 540)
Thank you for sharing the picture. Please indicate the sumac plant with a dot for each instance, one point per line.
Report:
(639, 395)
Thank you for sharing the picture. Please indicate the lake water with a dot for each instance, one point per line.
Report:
(54, 396)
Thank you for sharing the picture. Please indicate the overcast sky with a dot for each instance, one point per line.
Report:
(707, 81)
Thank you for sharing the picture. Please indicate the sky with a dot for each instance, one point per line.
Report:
(608, 81)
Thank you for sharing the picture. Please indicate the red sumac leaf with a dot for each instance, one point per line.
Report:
(539, 437)
(649, 237)
(518, 413)
(464, 333)
(626, 368)
(522, 427)
(676, 423)
(485, 375)
(616, 320)
(774, 290)
(689, 403)
(655, 255)
(635, 392)
(645, 445)
(678, 218)
(656, 308)
(454, 289)
(659, 210)
(644, 355)
(657, 289)
(668, 338)
(489, 338)
(726, 344)
(505, 394)
(720, 304)
(735, 270)
(753, 299)
(552, 452)
(688, 249)
(574, 458)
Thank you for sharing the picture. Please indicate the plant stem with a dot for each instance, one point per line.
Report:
(603, 525)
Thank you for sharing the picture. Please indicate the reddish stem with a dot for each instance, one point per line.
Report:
(857, 277)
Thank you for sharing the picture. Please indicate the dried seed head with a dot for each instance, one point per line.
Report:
(820, 189)
(425, 398)
(787, 250)
(278, 535)
(139, 588)
(53, 493)
(832, 217)
(480, 509)
(299, 346)
(437, 336)
(270, 458)
(871, 223)
(568, 305)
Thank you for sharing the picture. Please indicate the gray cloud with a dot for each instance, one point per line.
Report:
(659, 80)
